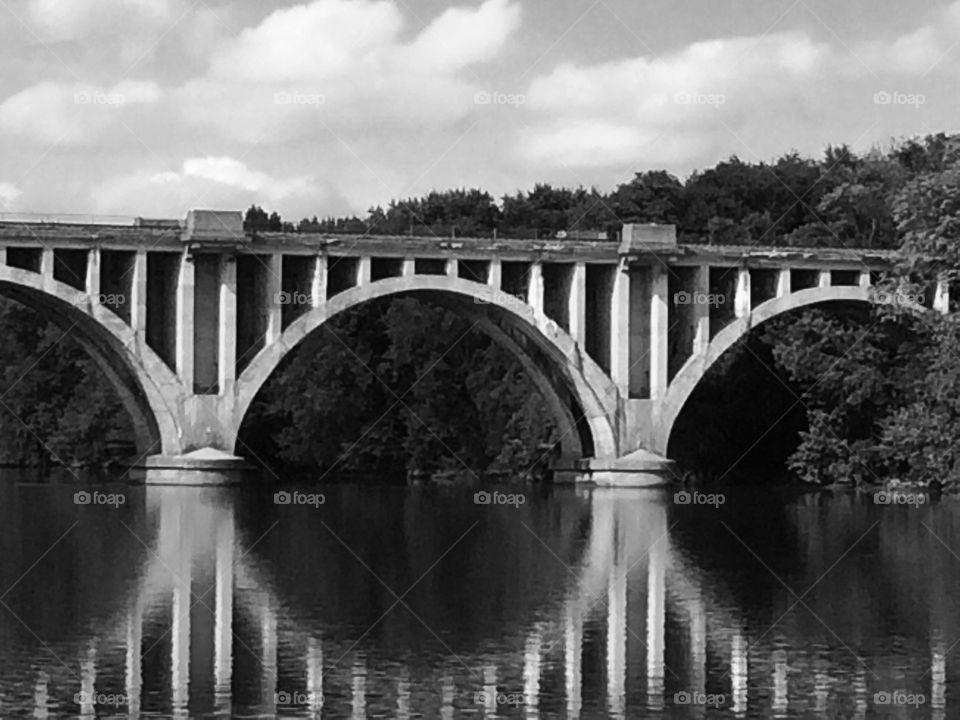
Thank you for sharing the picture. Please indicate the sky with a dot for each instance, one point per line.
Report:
(151, 108)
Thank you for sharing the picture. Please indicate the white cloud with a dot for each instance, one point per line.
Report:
(71, 114)
(9, 194)
(63, 20)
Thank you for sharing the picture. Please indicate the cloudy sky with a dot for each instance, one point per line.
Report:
(153, 107)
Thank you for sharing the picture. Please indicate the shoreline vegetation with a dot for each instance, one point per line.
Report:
(855, 397)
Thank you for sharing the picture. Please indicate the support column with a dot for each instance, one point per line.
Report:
(3, 255)
(701, 309)
(865, 280)
(620, 330)
(941, 297)
(784, 282)
(46, 267)
(741, 298)
(573, 658)
(186, 294)
(363, 270)
(138, 299)
(228, 324)
(535, 287)
(450, 267)
(495, 276)
(318, 281)
(272, 288)
(409, 267)
(824, 278)
(659, 331)
(616, 642)
(577, 303)
(92, 280)
(531, 672)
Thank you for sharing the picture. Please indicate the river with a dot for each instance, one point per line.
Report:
(361, 600)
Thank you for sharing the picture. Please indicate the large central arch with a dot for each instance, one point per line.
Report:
(696, 368)
(557, 365)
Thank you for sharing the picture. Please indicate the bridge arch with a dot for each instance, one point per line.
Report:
(695, 369)
(148, 389)
(559, 367)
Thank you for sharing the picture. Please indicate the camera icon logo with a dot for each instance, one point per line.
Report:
(881, 498)
(482, 498)
(682, 698)
(682, 298)
(882, 98)
(284, 698)
(282, 497)
(882, 698)
(82, 497)
(682, 498)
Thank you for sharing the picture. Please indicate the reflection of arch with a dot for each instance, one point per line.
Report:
(147, 388)
(530, 334)
(694, 370)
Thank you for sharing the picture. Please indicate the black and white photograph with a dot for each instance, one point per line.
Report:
(480, 359)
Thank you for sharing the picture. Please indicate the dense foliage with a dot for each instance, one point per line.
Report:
(399, 385)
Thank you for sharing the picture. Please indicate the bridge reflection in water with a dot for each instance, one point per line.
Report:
(638, 630)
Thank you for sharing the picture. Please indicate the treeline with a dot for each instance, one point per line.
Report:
(842, 199)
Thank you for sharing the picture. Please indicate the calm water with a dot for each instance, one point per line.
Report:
(418, 602)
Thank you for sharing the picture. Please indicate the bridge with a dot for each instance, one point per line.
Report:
(188, 319)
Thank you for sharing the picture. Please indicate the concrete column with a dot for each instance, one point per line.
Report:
(573, 658)
(315, 674)
(138, 296)
(823, 278)
(186, 294)
(268, 658)
(620, 330)
(490, 690)
(495, 276)
(409, 267)
(359, 688)
(656, 622)
(783, 282)
(616, 642)
(450, 267)
(701, 310)
(941, 297)
(531, 671)
(227, 353)
(535, 287)
(865, 281)
(272, 288)
(46, 267)
(3, 255)
(134, 671)
(659, 331)
(92, 280)
(739, 677)
(363, 270)
(577, 303)
(223, 606)
(318, 281)
(741, 298)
